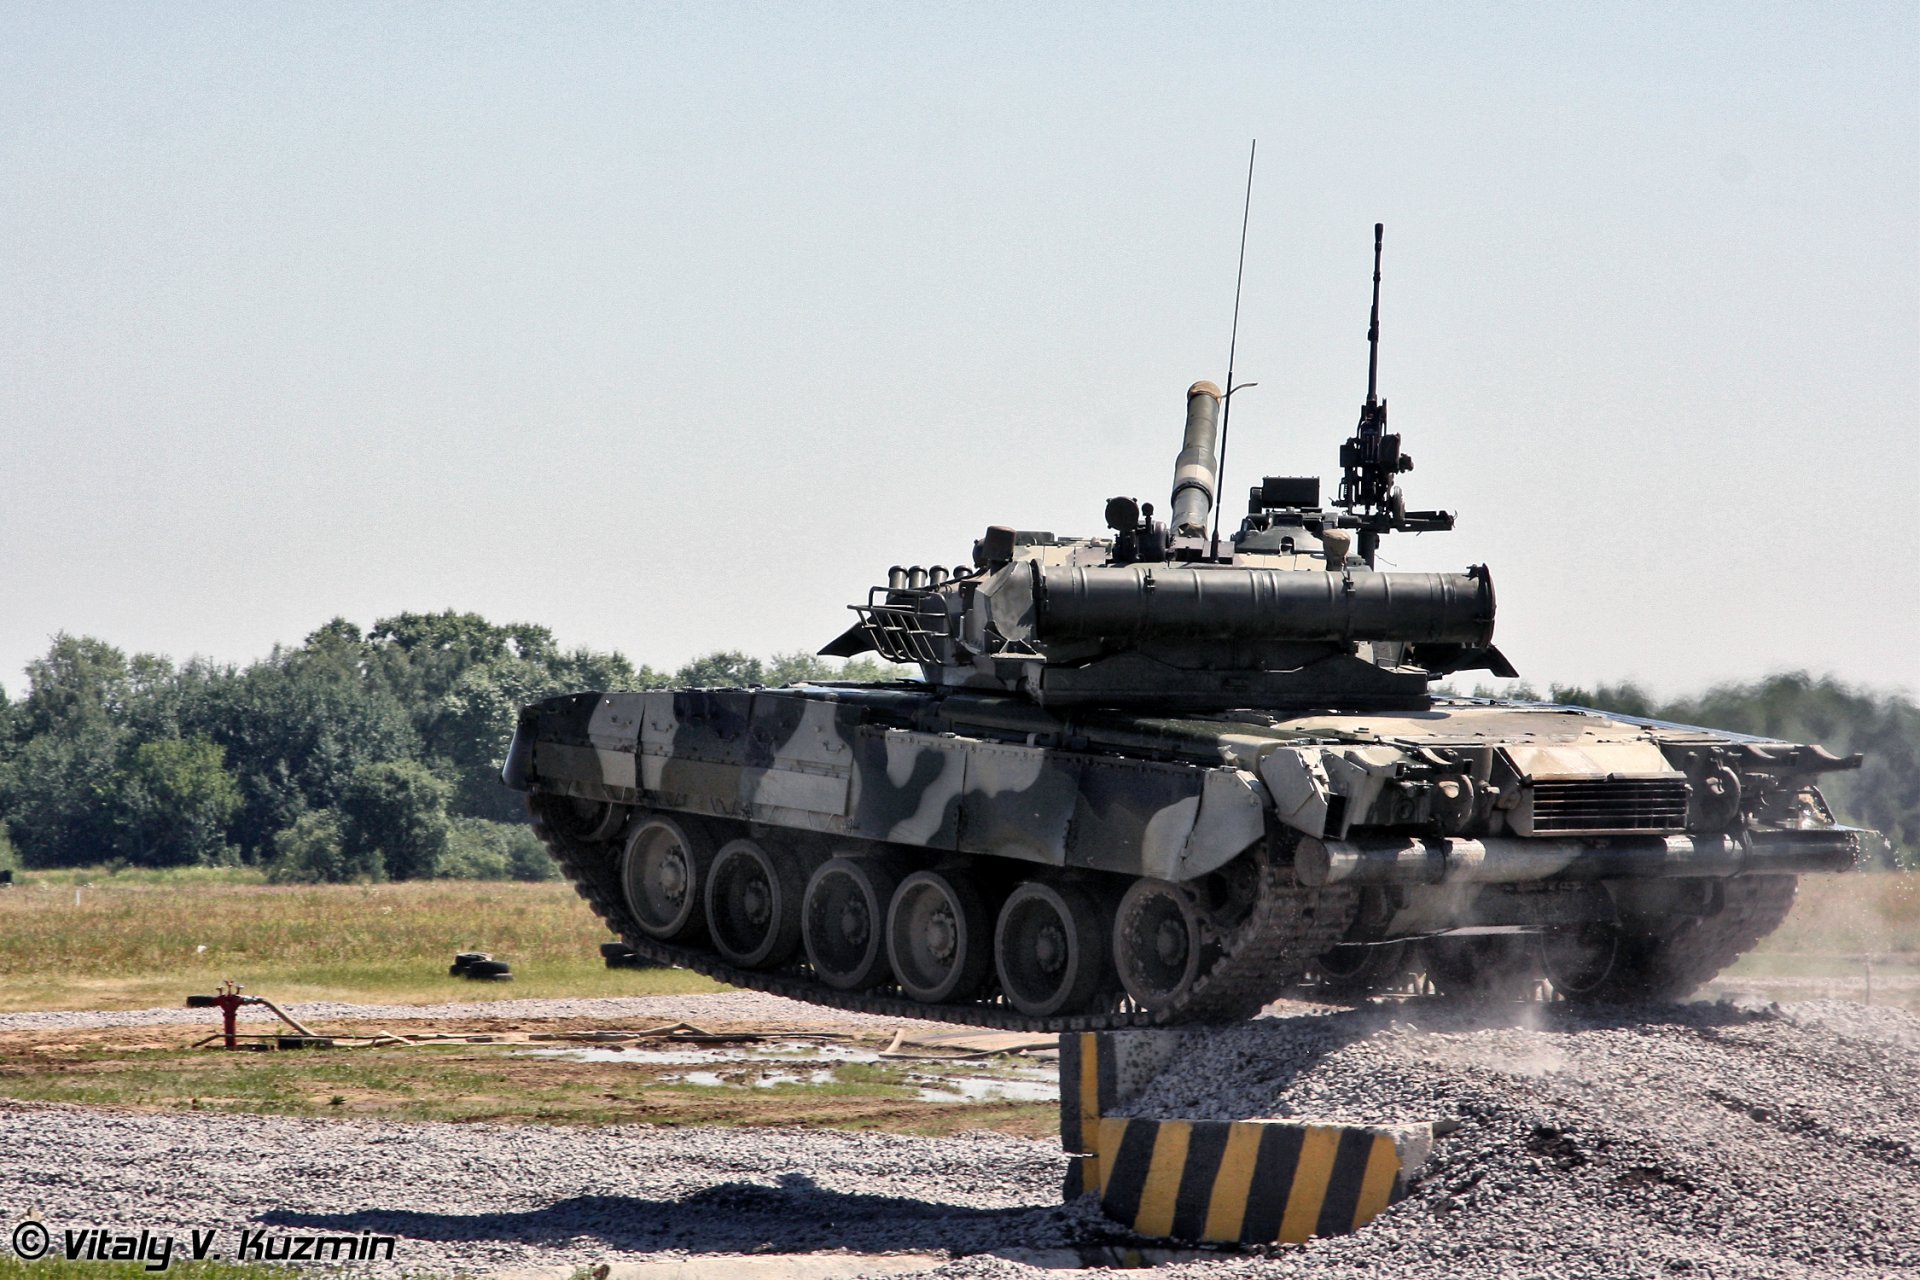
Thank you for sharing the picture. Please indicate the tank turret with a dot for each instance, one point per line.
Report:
(1160, 615)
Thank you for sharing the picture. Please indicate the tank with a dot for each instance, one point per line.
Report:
(1157, 776)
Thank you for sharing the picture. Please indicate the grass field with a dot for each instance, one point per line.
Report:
(93, 940)
(132, 940)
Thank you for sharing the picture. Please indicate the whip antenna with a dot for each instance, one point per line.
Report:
(1233, 342)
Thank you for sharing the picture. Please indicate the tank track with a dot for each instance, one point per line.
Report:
(1262, 956)
(1680, 961)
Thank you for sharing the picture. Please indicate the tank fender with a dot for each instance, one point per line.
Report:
(604, 761)
(517, 770)
(1360, 774)
(1322, 791)
(1297, 783)
(1232, 815)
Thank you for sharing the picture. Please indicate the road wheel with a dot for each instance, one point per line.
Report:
(1484, 967)
(1353, 970)
(939, 937)
(843, 922)
(1157, 944)
(663, 873)
(1050, 947)
(753, 905)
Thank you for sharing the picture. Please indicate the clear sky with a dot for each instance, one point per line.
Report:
(672, 326)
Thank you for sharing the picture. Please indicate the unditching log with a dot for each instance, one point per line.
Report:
(1223, 1181)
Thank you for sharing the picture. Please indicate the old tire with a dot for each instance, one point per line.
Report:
(1664, 959)
(588, 821)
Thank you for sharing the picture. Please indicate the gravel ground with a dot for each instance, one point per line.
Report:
(482, 1198)
(1695, 1140)
(1700, 1140)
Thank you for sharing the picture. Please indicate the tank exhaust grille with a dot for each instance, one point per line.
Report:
(1601, 806)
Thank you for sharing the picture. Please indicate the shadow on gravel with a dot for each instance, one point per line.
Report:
(795, 1216)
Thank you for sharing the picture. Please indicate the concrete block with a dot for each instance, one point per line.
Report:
(1238, 1181)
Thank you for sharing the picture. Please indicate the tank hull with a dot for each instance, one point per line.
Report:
(1211, 862)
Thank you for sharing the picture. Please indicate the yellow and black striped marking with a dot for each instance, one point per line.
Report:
(1245, 1181)
(1241, 1181)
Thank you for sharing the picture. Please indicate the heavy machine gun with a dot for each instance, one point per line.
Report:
(1371, 458)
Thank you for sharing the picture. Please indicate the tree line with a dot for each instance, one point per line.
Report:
(355, 755)
(375, 755)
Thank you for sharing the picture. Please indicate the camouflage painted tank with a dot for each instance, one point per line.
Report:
(1153, 776)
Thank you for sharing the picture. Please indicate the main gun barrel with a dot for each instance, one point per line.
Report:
(1196, 470)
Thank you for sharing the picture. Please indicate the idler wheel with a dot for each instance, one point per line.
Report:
(1051, 949)
(753, 905)
(939, 937)
(1489, 967)
(843, 922)
(1156, 944)
(663, 874)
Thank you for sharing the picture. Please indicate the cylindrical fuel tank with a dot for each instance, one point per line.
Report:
(1505, 860)
(1207, 603)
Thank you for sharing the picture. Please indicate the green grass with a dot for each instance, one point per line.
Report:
(104, 874)
(1859, 913)
(465, 1083)
(92, 939)
(11, 1268)
(134, 940)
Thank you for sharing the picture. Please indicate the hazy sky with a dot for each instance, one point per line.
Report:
(672, 326)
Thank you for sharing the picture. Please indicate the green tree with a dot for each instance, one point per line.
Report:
(172, 803)
(393, 820)
(722, 669)
(874, 671)
(81, 683)
(482, 850)
(294, 730)
(798, 668)
(52, 794)
(308, 852)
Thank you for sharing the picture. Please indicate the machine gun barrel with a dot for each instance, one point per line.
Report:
(1373, 319)
(1196, 470)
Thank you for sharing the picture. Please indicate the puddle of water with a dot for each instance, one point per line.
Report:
(792, 1062)
(784, 1051)
(767, 1080)
(988, 1088)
